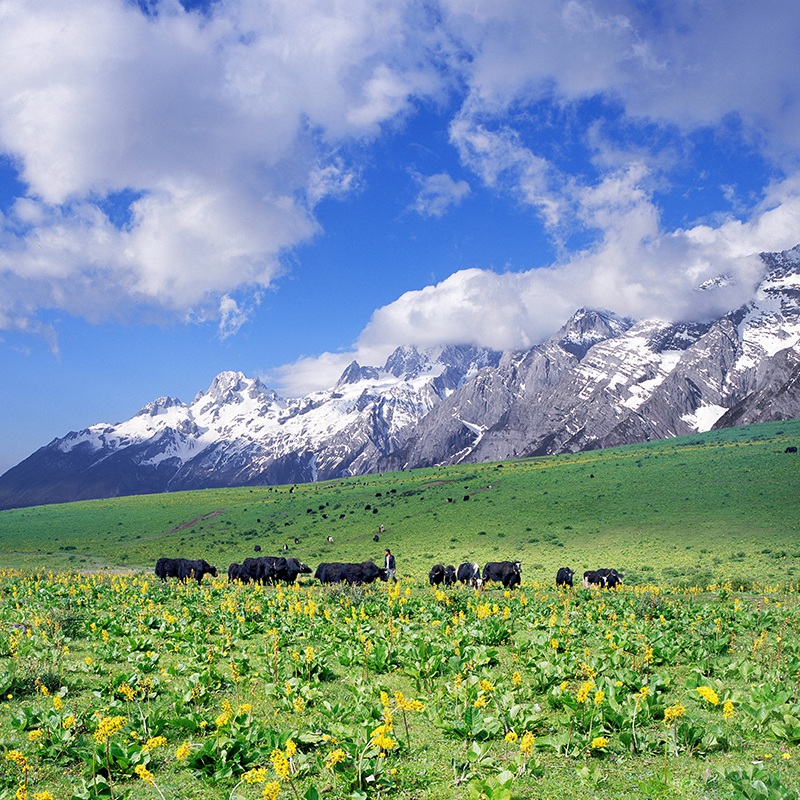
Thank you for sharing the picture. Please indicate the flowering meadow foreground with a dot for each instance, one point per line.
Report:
(124, 687)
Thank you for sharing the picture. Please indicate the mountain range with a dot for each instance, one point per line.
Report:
(601, 380)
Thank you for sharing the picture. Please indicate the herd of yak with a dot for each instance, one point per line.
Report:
(274, 569)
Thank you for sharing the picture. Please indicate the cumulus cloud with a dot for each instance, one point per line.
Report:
(221, 129)
(170, 160)
(637, 270)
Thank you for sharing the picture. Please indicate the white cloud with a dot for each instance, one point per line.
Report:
(229, 128)
(438, 193)
(636, 270)
(225, 128)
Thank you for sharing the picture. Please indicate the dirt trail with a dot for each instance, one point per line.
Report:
(194, 521)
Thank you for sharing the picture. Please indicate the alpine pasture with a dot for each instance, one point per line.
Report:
(683, 683)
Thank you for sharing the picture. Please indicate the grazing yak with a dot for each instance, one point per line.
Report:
(436, 575)
(183, 569)
(353, 574)
(271, 569)
(564, 577)
(601, 579)
(470, 574)
(509, 573)
(238, 572)
(442, 574)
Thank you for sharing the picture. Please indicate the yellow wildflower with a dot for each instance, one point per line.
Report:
(183, 751)
(381, 739)
(255, 775)
(486, 685)
(127, 692)
(727, 709)
(42, 796)
(271, 790)
(516, 679)
(511, 737)
(291, 748)
(334, 758)
(707, 693)
(17, 758)
(155, 741)
(599, 696)
(35, 735)
(68, 722)
(526, 745)
(280, 763)
(144, 773)
(57, 703)
(599, 742)
(107, 727)
(672, 713)
(583, 692)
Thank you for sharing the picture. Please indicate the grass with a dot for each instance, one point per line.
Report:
(231, 673)
(705, 529)
(719, 505)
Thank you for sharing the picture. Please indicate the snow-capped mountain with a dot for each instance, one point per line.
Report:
(239, 432)
(601, 380)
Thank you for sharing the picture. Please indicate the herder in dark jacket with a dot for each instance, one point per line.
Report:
(390, 566)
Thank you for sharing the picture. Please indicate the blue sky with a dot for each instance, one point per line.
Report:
(279, 187)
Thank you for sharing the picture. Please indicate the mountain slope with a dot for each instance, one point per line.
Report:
(601, 380)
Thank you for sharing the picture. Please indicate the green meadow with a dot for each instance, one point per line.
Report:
(720, 505)
(684, 683)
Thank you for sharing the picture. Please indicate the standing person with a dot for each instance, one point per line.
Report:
(390, 566)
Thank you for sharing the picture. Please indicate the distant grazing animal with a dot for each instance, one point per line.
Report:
(257, 548)
(183, 569)
(436, 575)
(380, 530)
(238, 572)
(262, 569)
(469, 573)
(790, 449)
(602, 578)
(449, 575)
(376, 538)
(592, 578)
(611, 577)
(353, 574)
(509, 573)
(287, 570)
(564, 577)
(330, 539)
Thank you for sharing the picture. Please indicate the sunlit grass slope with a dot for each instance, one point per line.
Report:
(716, 505)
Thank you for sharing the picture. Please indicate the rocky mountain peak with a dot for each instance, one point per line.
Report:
(406, 360)
(159, 406)
(355, 373)
(587, 327)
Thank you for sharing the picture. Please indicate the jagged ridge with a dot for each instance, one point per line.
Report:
(601, 380)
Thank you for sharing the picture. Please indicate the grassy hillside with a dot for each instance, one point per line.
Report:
(717, 505)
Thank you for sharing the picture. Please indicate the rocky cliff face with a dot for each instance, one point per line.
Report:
(601, 380)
